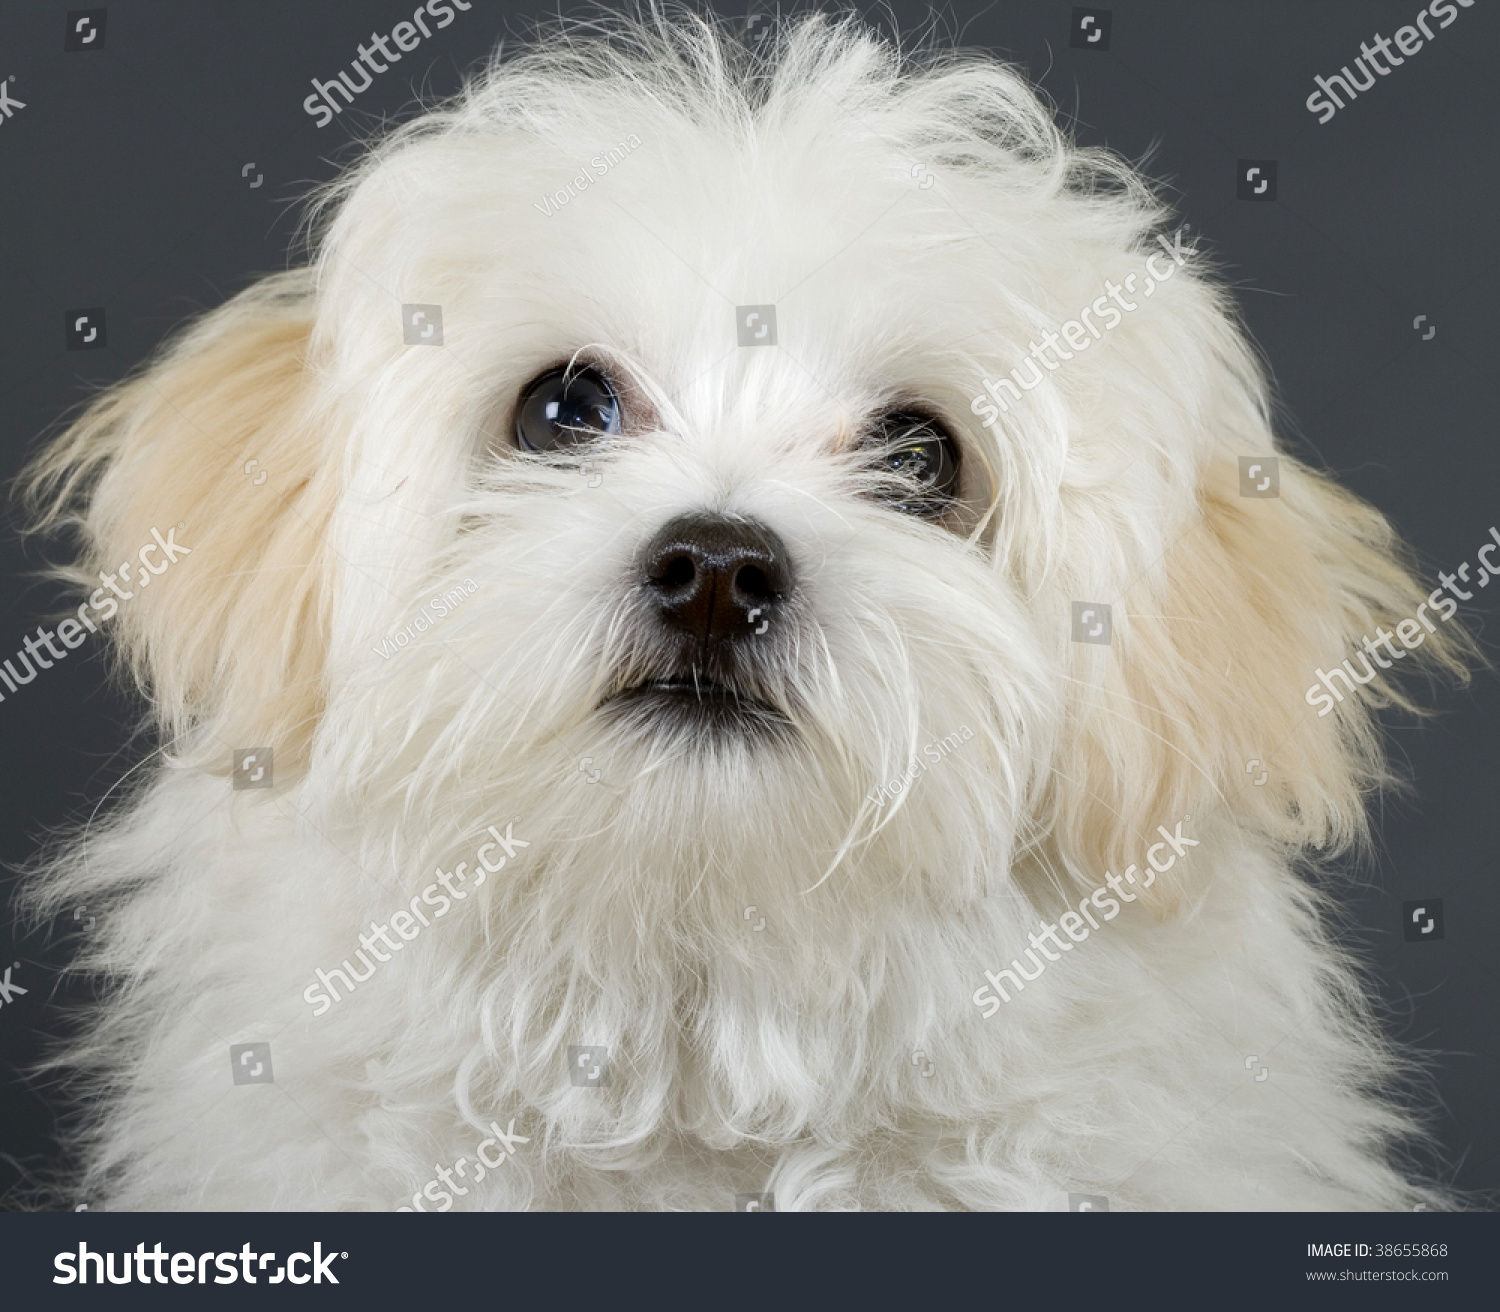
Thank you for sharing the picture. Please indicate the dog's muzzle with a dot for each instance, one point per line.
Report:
(714, 588)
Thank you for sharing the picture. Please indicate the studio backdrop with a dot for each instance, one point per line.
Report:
(156, 153)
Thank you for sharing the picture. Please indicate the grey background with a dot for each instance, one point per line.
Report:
(122, 187)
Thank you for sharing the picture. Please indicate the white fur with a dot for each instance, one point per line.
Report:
(743, 1060)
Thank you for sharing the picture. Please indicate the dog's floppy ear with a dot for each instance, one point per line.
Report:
(1210, 704)
(215, 450)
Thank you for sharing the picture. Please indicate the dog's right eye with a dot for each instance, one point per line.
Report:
(565, 408)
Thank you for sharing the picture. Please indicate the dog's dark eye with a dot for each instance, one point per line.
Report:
(921, 460)
(565, 408)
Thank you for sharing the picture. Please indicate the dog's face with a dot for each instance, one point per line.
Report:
(742, 561)
(701, 478)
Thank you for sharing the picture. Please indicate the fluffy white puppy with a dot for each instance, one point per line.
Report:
(679, 706)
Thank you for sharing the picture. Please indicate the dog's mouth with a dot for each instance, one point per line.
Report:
(695, 699)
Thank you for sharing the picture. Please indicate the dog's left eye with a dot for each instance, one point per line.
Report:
(914, 449)
(564, 408)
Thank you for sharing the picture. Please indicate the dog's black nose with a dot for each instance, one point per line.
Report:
(714, 578)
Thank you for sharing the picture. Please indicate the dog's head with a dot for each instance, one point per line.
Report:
(799, 463)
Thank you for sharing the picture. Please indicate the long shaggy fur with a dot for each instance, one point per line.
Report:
(831, 1056)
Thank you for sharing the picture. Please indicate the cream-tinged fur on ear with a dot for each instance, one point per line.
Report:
(218, 435)
(1215, 647)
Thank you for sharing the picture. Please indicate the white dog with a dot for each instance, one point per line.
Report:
(675, 607)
